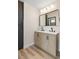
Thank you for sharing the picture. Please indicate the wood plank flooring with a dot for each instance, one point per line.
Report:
(33, 53)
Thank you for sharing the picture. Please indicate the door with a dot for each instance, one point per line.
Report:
(20, 25)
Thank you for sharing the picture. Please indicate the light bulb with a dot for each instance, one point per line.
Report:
(44, 9)
(41, 10)
(52, 6)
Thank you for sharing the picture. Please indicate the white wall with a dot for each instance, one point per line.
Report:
(31, 22)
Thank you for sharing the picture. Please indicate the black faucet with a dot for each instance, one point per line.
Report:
(51, 29)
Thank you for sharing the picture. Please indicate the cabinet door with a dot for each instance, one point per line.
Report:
(52, 45)
(44, 42)
(39, 35)
(36, 39)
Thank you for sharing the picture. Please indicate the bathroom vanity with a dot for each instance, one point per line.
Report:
(47, 36)
(46, 41)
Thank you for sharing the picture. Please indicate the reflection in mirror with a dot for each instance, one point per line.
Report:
(51, 21)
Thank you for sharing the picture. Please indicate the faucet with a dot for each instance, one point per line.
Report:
(42, 29)
(51, 29)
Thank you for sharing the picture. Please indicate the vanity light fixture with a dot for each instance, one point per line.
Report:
(47, 9)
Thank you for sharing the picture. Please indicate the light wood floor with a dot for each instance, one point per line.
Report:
(33, 53)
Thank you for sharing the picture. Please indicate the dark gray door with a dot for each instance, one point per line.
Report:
(20, 25)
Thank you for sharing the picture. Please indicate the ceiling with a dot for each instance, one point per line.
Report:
(40, 3)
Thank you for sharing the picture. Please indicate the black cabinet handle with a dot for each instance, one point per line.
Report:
(37, 34)
(47, 38)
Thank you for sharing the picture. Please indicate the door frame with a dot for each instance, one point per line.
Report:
(22, 22)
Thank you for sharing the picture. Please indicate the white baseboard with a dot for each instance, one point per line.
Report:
(28, 45)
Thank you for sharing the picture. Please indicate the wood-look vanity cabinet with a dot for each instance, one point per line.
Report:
(52, 44)
(46, 42)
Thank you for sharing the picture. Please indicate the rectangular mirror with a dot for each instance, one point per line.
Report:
(49, 19)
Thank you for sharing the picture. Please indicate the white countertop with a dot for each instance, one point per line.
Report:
(47, 32)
